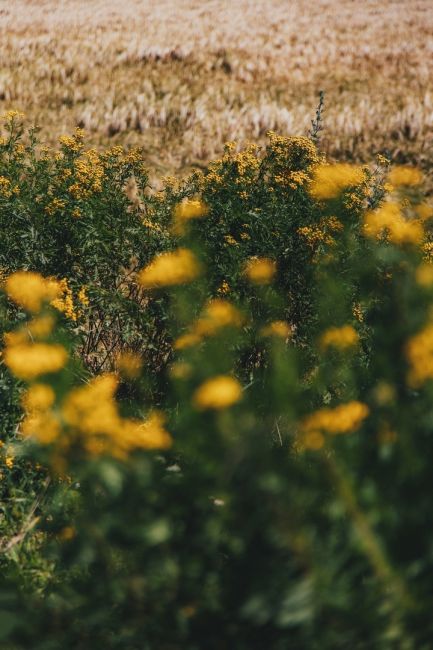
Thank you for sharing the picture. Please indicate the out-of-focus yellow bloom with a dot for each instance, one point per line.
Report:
(389, 220)
(30, 290)
(41, 425)
(149, 434)
(92, 412)
(38, 397)
(179, 267)
(181, 370)
(424, 211)
(424, 274)
(278, 328)
(329, 181)
(9, 462)
(341, 419)
(217, 393)
(419, 353)
(187, 340)
(384, 393)
(129, 364)
(404, 176)
(260, 270)
(91, 408)
(28, 361)
(38, 328)
(340, 337)
(190, 209)
(217, 314)
(312, 440)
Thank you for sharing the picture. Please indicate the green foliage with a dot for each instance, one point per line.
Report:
(278, 521)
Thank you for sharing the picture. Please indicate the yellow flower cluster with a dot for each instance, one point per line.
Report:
(329, 181)
(129, 364)
(40, 421)
(186, 210)
(427, 249)
(73, 143)
(424, 274)
(56, 205)
(30, 360)
(217, 314)
(30, 290)
(344, 418)
(217, 393)
(389, 221)
(406, 176)
(419, 353)
(278, 328)
(92, 414)
(339, 337)
(291, 154)
(5, 187)
(89, 415)
(178, 267)
(65, 301)
(260, 270)
(88, 176)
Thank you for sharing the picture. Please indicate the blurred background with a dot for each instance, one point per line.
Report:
(182, 77)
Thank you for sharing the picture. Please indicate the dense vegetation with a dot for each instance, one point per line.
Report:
(216, 400)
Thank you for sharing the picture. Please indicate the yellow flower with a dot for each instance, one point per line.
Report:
(41, 425)
(91, 408)
(30, 290)
(424, 275)
(218, 313)
(129, 364)
(339, 337)
(419, 353)
(169, 269)
(341, 419)
(217, 393)
(28, 361)
(190, 209)
(424, 211)
(404, 176)
(187, 340)
(388, 220)
(260, 270)
(38, 397)
(82, 297)
(65, 302)
(92, 412)
(312, 440)
(329, 181)
(277, 328)
(149, 434)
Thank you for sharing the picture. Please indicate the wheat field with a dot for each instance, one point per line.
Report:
(181, 78)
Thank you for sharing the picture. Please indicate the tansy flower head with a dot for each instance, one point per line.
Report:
(217, 393)
(339, 337)
(329, 181)
(190, 209)
(278, 328)
(179, 267)
(30, 290)
(28, 361)
(401, 175)
(260, 270)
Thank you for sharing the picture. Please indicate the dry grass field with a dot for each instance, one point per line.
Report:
(181, 77)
